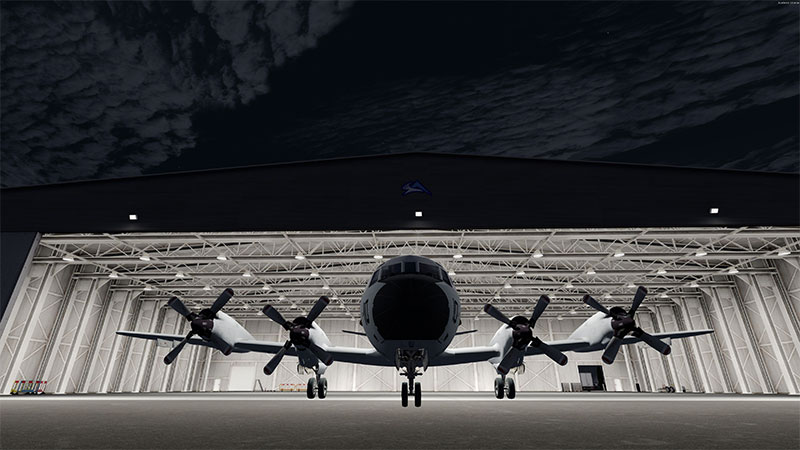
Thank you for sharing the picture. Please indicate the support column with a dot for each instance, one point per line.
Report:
(774, 340)
(698, 356)
(207, 368)
(168, 370)
(145, 352)
(726, 334)
(57, 333)
(99, 331)
(648, 370)
(474, 366)
(628, 368)
(752, 343)
(91, 297)
(111, 363)
(555, 366)
(670, 362)
(30, 324)
(719, 361)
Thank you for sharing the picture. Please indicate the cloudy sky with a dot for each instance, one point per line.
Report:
(101, 90)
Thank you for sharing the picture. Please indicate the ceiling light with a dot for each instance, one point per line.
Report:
(222, 257)
(569, 286)
(281, 297)
(336, 298)
(606, 295)
(378, 256)
(573, 312)
(206, 288)
(733, 271)
(458, 256)
(714, 211)
(661, 271)
(700, 253)
(662, 295)
(694, 284)
(68, 258)
(507, 286)
(452, 273)
(245, 306)
(497, 296)
(147, 288)
(314, 274)
(294, 306)
(299, 257)
(477, 318)
(520, 273)
(631, 285)
(133, 217)
(145, 257)
(247, 274)
(590, 272)
(537, 254)
(560, 317)
(113, 275)
(784, 252)
(326, 287)
(179, 275)
(417, 213)
(619, 254)
(266, 287)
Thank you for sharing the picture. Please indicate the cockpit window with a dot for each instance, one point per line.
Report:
(409, 267)
(430, 270)
(389, 271)
(374, 277)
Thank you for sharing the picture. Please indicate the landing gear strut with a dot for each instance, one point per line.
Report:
(504, 386)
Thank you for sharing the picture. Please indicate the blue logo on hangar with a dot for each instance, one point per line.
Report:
(415, 186)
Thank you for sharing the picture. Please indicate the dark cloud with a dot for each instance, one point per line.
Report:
(94, 90)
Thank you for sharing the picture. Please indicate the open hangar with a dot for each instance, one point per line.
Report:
(507, 231)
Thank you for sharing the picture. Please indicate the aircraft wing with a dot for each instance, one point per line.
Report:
(464, 355)
(566, 345)
(364, 356)
(165, 337)
(669, 335)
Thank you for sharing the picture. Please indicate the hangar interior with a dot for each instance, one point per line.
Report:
(76, 290)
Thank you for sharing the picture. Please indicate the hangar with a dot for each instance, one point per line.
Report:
(716, 249)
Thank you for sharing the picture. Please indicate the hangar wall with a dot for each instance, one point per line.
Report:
(61, 329)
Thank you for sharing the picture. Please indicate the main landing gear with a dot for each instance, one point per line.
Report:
(317, 386)
(504, 386)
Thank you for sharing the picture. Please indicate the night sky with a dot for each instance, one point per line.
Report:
(101, 90)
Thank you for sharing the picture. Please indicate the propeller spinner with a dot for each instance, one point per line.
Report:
(299, 335)
(202, 323)
(623, 323)
(522, 336)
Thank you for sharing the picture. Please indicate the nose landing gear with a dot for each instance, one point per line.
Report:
(409, 360)
(504, 387)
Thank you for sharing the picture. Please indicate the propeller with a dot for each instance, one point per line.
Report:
(202, 323)
(298, 334)
(522, 336)
(623, 323)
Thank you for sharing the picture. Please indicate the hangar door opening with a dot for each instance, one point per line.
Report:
(78, 289)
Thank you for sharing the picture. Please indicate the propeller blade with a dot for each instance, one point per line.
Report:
(176, 304)
(594, 304)
(175, 351)
(323, 356)
(494, 312)
(558, 357)
(222, 300)
(637, 300)
(656, 343)
(273, 314)
(318, 307)
(611, 350)
(539, 309)
(511, 358)
(273, 363)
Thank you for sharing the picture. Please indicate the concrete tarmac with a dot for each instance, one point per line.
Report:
(377, 420)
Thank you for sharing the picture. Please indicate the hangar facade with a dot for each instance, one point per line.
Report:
(736, 271)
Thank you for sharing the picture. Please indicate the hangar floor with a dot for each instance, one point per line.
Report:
(376, 420)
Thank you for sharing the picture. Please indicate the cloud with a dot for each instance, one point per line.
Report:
(95, 90)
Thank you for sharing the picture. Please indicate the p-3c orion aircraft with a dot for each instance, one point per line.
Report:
(410, 314)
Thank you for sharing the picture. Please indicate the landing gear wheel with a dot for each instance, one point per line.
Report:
(322, 389)
(511, 388)
(417, 394)
(404, 394)
(499, 387)
(311, 387)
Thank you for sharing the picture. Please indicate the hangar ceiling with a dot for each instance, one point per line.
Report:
(509, 268)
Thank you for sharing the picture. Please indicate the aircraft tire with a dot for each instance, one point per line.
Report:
(499, 387)
(417, 394)
(404, 394)
(322, 388)
(311, 387)
(511, 388)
